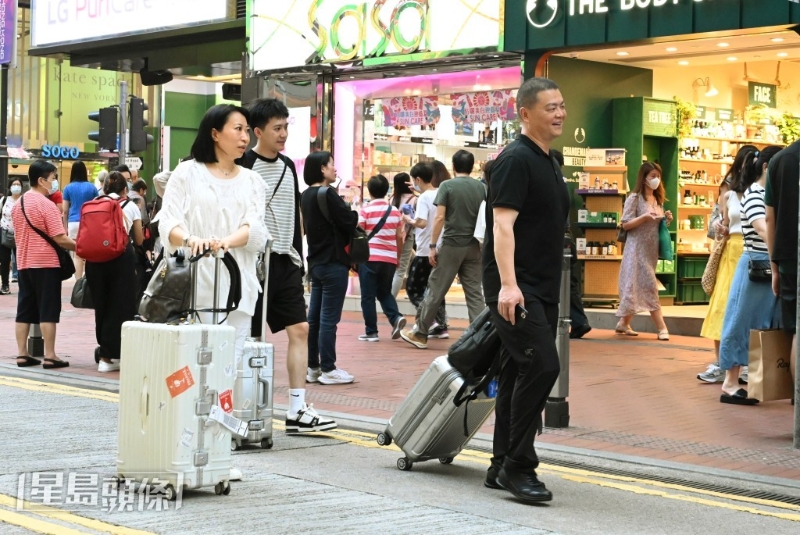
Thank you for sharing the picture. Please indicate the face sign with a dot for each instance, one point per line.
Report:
(544, 120)
(272, 138)
(329, 172)
(234, 137)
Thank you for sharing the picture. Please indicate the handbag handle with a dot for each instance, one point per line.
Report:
(234, 291)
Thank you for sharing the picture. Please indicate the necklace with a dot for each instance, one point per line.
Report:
(224, 172)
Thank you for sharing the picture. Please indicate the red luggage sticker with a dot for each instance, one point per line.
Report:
(226, 401)
(180, 381)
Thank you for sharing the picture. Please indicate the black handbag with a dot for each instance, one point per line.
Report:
(473, 354)
(81, 296)
(759, 270)
(168, 297)
(622, 234)
(7, 238)
(66, 265)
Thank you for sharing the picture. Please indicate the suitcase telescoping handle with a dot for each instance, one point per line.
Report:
(267, 253)
(217, 261)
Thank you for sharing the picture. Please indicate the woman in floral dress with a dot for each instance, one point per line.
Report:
(638, 287)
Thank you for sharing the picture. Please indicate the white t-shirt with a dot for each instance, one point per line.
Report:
(5, 220)
(130, 212)
(426, 210)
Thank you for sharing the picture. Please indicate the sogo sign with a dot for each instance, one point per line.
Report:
(349, 27)
(284, 35)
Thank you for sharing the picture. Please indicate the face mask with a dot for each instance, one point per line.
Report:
(130, 186)
(653, 182)
(54, 187)
(16, 190)
(416, 187)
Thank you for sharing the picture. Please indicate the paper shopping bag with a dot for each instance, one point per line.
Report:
(769, 373)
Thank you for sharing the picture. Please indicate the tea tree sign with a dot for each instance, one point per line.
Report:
(764, 94)
(659, 118)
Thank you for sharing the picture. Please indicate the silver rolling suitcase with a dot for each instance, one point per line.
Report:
(252, 393)
(174, 383)
(429, 424)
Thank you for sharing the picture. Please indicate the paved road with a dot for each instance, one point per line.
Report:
(342, 482)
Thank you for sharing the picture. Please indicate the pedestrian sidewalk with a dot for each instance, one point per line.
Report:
(628, 396)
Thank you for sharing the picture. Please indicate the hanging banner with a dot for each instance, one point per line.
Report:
(410, 111)
(8, 32)
(484, 106)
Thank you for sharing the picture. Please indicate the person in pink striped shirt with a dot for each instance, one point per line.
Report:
(383, 222)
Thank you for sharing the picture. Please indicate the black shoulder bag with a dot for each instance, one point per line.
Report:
(358, 248)
(66, 266)
(261, 263)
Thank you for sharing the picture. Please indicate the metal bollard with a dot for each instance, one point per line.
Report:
(556, 412)
(35, 341)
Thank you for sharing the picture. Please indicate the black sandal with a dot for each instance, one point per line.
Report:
(49, 364)
(29, 361)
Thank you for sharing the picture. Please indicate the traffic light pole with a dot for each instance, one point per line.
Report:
(123, 121)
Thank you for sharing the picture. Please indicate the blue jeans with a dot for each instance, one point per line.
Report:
(376, 282)
(328, 289)
(751, 305)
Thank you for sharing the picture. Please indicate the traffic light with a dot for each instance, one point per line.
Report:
(106, 138)
(139, 139)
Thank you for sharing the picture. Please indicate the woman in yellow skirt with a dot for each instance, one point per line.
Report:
(731, 226)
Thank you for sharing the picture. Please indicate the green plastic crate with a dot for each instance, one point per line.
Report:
(691, 267)
(691, 292)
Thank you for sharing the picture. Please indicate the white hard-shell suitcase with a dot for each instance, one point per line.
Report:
(252, 392)
(429, 424)
(173, 379)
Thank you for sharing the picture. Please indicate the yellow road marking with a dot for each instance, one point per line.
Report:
(367, 440)
(36, 525)
(65, 516)
(53, 388)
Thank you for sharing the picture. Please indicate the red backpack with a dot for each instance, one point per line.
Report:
(101, 235)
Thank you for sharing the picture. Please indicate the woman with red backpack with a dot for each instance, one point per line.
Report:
(112, 283)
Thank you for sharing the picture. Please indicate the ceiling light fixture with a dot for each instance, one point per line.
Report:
(777, 39)
(782, 54)
(723, 45)
(672, 49)
(711, 91)
(623, 53)
(683, 62)
(732, 58)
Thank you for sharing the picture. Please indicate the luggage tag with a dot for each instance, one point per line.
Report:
(234, 425)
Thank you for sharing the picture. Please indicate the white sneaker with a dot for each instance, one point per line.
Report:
(399, 326)
(236, 474)
(307, 421)
(312, 376)
(105, 367)
(336, 377)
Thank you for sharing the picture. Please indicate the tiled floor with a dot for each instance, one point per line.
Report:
(632, 396)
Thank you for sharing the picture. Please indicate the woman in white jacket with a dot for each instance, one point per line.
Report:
(212, 203)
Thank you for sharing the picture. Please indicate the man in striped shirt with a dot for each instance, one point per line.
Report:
(286, 305)
(384, 223)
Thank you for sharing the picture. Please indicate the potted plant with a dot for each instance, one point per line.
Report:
(789, 127)
(685, 112)
(754, 114)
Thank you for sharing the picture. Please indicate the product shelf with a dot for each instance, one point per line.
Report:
(592, 191)
(694, 160)
(599, 257)
(597, 225)
(731, 140)
(695, 207)
(699, 184)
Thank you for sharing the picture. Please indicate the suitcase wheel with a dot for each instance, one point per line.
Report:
(223, 487)
(234, 444)
(266, 443)
(445, 460)
(169, 493)
(383, 439)
(404, 464)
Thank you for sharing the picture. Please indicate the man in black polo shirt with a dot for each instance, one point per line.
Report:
(781, 202)
(526, 209)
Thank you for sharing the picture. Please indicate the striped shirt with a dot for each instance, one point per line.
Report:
(753, 210)
(383, 245)
(32, 250)
(280, 209)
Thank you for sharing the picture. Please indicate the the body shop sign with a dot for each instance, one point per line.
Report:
(308, 32)
(55, 22)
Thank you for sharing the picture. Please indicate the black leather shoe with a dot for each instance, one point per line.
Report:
(491, 479)
(525, 487)
(579, 331)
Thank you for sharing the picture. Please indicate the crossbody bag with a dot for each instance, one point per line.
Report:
(66, 265)
(358, 248)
